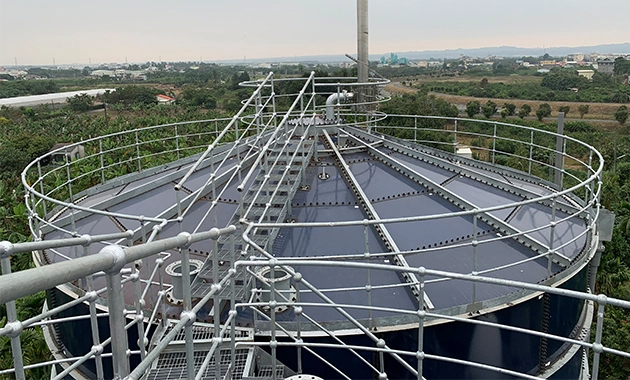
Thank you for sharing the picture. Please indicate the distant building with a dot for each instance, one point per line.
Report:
(393, 60)
(70, 151)
(547, 63)
(588, 74)
(605, 66)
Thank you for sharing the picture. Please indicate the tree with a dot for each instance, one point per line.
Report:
(525, 110)
(583, 110)
(203, 97)
(564, 109)
(132, 95)
(621, 115)
(472, 108)
(489, 109)
(544, 110)
(622, 66)
(80, 103)
(484, 83)
(239, 77)
(510, 108)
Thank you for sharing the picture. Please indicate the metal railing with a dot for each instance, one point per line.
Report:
(55, 194)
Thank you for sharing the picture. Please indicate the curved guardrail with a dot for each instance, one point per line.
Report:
(571, 172)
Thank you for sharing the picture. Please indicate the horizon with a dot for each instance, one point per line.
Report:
(306, 58)
(76, 32)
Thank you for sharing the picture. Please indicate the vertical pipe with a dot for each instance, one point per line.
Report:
(233, 311)
(421, 316)
(552, 233)
(272, 312)
(531, 152)
(116, 305)
(368, 287)
(96, 340)
(455, 138)
(41, 186)
(138, 151)
(415, 129)
(589, 194)
(188, 333)
(298, 313)
(216, 302)
(177, 142)
(494, 142)
(475, 242)
(559, 156)
(597, 345)
(100, 153)
(16, 347)
(362, 41)
(139, 303)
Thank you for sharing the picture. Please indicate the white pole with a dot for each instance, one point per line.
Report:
(362, 40)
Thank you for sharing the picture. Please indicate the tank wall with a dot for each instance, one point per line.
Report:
(497, 347)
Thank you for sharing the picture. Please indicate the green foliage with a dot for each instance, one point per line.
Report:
(489, 109)
(27, 87)
(202, 97)
(510, 108)
(621, 115)
(578, 126)
(583, 110)
(622, 66)
(558, 85)
(129, 95)
(563, 80)
(564, 109)
(544, 110)
(472, 108)
(81, 103)
(239, 77)
(525, 110)
(18, 151)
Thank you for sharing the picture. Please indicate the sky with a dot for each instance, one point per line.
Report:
(38, 32)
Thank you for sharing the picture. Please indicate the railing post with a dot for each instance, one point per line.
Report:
(368, 286)
(96, 340)
(421, 317)
(494, 142)
(551, 235)
(598, 348)
(297, 277)
(588, 194)
(415, 129)
(116, 304)
(16, 347)
(531, 152)
(474, 244)
(188, 333)
(559, 148)
(139, 303)
(177, 142)
(233, 311)
(100, 155)
(41, 185)
(138, 152)
(216, 303)
(455, 138)
(272, 311)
